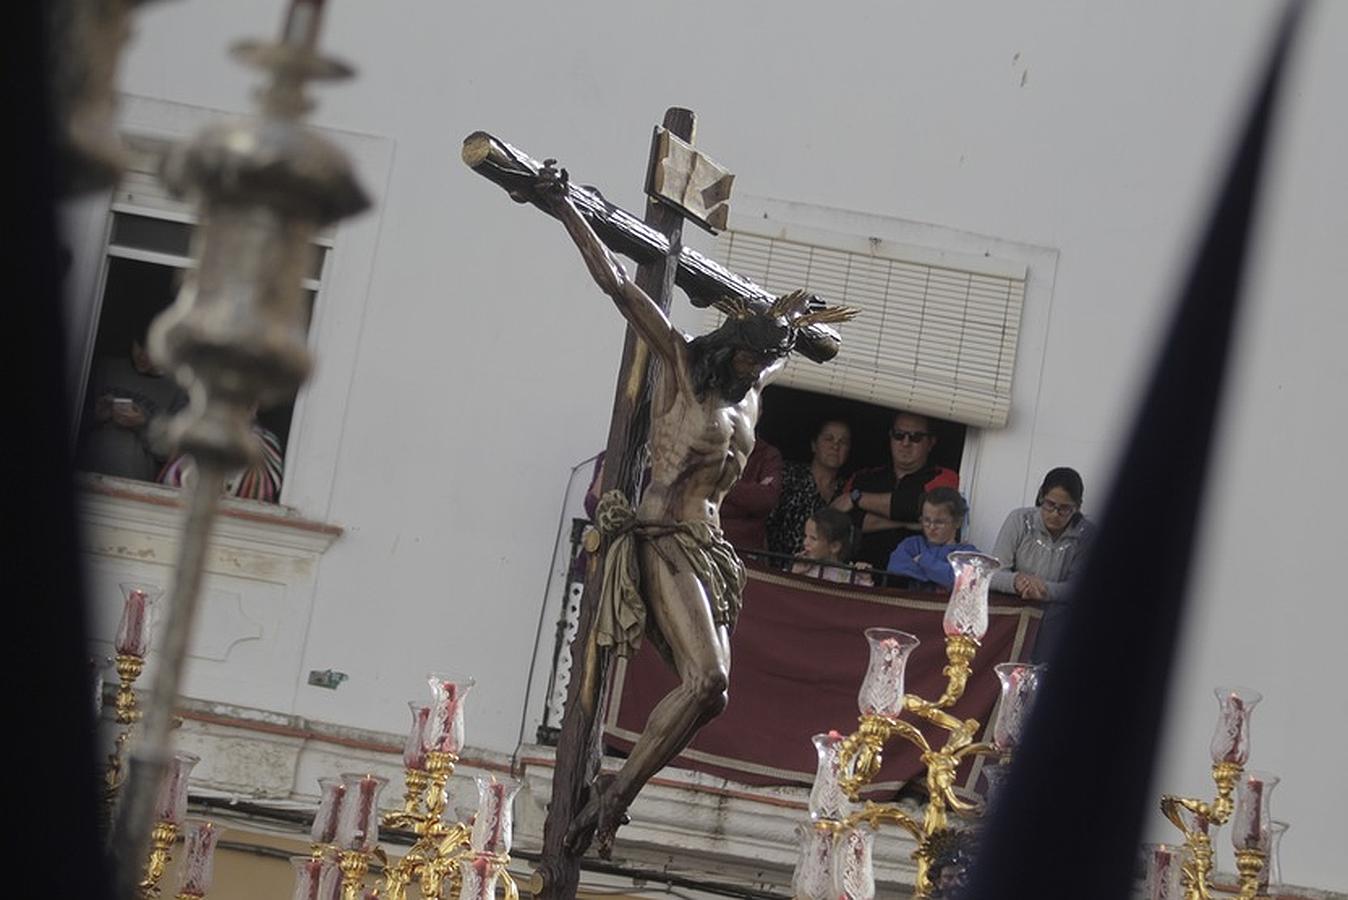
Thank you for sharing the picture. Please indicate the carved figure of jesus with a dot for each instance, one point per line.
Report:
(669, 572)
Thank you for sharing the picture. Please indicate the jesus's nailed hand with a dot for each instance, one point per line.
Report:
(551, 182)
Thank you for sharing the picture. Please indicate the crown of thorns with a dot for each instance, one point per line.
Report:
(796, 310)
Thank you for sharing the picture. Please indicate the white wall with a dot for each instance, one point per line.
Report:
(485, 367)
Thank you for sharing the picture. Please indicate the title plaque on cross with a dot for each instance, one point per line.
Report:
(663, 571)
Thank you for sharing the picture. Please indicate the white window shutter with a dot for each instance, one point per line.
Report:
(934, 336)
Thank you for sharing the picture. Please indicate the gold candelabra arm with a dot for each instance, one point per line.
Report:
(861, 753)
(1171, 806)
(410, 817)
(401, 874)
(354, 864)
(979, 749)
(161, 842)
(455, 839)
(1250, 865)
(1197, 865)
(512, 891)
(959, 651)
(1224, 775)
(112, 775)
(934, 714)
(875, 813)
(439, 766)
(128, 670)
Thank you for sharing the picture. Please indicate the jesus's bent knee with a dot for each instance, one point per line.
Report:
(709, 690)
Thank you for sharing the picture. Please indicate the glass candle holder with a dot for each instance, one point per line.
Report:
(494, 823)
(853, 869)
(1020, 683)
(324, 829)
(330, 880)
(1231, 738)
(1165, 865)
(133, 630)
(881, 691)
(967, 612)
(479, 878)
(1271, 878)
(358, 818)
(414, 748)
(171, 804)
(194, 878)
(1251, 825)
(827, 798)
(308, 878)
(444, 729)
(813, 875)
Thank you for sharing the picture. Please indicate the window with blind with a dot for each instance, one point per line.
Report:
(936, 334)
(146, 253)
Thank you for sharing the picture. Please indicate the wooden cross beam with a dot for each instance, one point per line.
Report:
(704, 280)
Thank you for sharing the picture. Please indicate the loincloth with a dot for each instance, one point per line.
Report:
(621, 619)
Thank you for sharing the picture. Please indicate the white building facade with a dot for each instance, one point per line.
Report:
(466, 363)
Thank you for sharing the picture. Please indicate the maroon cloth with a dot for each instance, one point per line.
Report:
(797, 659)
(745, 509)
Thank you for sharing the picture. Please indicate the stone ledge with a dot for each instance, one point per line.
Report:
(109, 502)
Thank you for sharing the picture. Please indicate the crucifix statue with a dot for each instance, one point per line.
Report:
(667, 572)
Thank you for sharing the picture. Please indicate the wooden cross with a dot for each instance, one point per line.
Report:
(679, 183)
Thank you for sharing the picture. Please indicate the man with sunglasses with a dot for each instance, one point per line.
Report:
(885, 502)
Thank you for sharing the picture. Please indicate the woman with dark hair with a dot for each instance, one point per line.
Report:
(1040, 546)
(807, 487)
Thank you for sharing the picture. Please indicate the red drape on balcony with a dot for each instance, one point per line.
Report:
(797, 659)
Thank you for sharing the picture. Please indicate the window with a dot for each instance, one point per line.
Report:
(937, 331)
(147, 251)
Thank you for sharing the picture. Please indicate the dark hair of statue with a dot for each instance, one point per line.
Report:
(710, 355)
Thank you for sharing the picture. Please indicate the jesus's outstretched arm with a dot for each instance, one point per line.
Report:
(634, 303)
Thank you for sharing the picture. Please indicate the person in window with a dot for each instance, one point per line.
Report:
(745, 509)
(1040, 547)
(807, 487)
(924, 558)
(885, 502)
(127, 391)
(261, 481)
(827, 538)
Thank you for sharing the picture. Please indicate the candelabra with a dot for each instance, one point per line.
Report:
(448, 858)
(131, 643)
(1195, 818)
(170, 811)
(835, 851)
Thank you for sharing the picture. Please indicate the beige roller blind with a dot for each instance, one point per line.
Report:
(935, 334)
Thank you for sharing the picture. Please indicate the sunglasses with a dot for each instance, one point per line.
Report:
(913, 437)
(1062, 509)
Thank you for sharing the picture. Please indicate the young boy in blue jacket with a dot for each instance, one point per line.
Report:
(924, 558)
